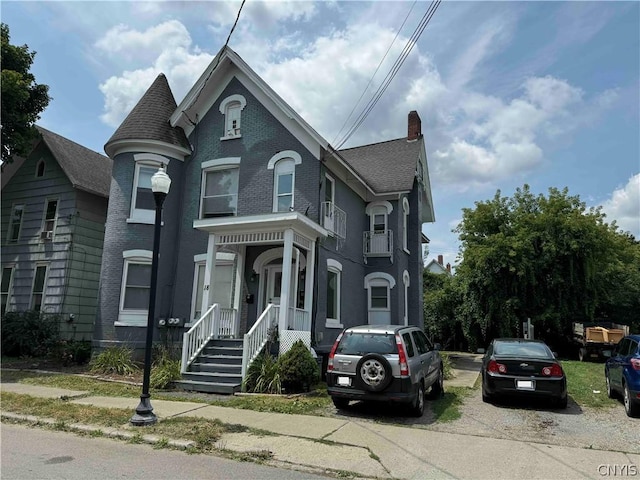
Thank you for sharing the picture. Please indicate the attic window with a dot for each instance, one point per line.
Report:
(40, 169)
(231, 107)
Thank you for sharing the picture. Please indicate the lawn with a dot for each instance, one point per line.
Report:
(586, 384)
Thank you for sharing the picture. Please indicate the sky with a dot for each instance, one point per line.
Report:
(509, 93)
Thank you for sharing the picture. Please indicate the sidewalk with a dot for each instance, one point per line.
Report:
(369, 449)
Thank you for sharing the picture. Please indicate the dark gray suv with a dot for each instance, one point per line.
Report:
(390, 363)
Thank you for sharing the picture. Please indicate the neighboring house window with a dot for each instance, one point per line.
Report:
(5, 289)
(334, 287)
(49, 221)
(283, 165)
(15, 223)
(40, 169)
(405, 224)
(136, 286)
(143, 205)
(379, 285)
(405, 281)
(219, 188)
(37, 292)
(231, 107)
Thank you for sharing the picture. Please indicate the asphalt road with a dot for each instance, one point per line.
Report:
(33, 453)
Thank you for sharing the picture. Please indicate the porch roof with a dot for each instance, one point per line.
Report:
(256, 224)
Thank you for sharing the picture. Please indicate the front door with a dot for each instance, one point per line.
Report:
(274, 283)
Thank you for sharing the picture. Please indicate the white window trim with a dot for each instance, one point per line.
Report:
(406, 281)
(374, 208)
(379, 279)
(44, 285)
(405, 224)
(10, 286)
(297, 159)
(279, 170)
(10, 228)
(335, 267)
(44, 169)
(132, 318)
(143, 215)
(224, 109)
(44, 216)
(216, 164)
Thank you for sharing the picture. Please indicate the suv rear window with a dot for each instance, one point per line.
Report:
(363, 343)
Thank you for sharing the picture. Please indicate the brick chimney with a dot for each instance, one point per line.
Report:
(415, 126)
(440, 259)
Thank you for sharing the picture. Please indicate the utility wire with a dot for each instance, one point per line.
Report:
(374, 73)
(217, 61)
(392, 73)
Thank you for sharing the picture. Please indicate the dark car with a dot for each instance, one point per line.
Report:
(384, 363)
(622, 373)
(516, 367)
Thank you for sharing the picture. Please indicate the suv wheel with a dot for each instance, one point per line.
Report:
(631, 408)
(610, 392)
(374, 372)
(340, 403)
(437, 389)
(417, 406)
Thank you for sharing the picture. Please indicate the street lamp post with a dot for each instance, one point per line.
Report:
(160, 183)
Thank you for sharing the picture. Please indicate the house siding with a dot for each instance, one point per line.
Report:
(63, 294)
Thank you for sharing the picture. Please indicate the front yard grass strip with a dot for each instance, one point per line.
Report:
(583, 380)
(447, 407)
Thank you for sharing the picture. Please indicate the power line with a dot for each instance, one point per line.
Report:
(374, 73)
(392, 73)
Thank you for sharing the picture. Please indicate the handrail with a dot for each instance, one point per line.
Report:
(196, 338)
(256, 338)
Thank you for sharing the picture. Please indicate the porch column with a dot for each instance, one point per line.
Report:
(309, 277)
(285, 294)
(209, 269)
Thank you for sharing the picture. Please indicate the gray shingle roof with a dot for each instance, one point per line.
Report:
(387, 166)
(149, 119)
(87, 170)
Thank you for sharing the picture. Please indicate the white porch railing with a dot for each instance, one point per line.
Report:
(377, 243)
(298, 319)
(256, 338)
(215, 323)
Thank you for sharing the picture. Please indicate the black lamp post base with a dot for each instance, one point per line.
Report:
(144, 415)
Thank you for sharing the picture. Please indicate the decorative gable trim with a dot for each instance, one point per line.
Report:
(295, 156)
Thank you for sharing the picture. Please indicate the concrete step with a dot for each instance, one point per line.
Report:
(208, 387)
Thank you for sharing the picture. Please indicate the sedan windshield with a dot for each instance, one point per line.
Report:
(518, 349)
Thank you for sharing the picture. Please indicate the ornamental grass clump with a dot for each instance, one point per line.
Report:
(114, 360)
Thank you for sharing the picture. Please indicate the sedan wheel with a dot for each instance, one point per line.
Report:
(631, 408)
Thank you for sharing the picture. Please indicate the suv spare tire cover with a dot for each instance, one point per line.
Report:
(373, 372)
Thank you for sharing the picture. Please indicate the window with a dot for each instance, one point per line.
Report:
(40, 169)
(379, 285)
(407, 341)
(421, 342)
(379, 297)
(37, 292)
(5, 289)
(405, 224)
(49, 222)
(284, 164)
(143, 205)
(220, 193)
(136, 286)
(334, 281)
(15, 223)
(405, 281)
(378, 213)
(231, 107)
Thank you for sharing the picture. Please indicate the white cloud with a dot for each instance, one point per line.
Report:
(624, 206)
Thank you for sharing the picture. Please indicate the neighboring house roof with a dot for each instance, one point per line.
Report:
(87, 170)
(149, 119)
(387, 166)
(434, 267)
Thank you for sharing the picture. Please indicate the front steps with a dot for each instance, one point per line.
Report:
(217, 369)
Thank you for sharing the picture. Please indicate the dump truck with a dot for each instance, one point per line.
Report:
(596, 340)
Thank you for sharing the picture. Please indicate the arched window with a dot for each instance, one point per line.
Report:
(405, 281)
(379, 285)
(334, 287)
(40, 169)
(405, 224)
(231, 107)
(283, 165)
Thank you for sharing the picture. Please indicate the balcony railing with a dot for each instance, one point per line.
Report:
(334, 219)
(377, 243)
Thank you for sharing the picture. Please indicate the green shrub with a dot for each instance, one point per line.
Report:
(116, 360)
(447, 366)
(263, 375)
(29, 333)
(165, 369)
(73, 352)
(298, 369)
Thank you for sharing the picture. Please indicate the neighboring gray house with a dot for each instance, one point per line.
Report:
(262, 213)
(54, 207)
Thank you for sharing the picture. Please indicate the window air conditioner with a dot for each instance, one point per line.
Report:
(46, 235)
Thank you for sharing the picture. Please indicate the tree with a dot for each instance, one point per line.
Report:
(547, 258)
(22, 98)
